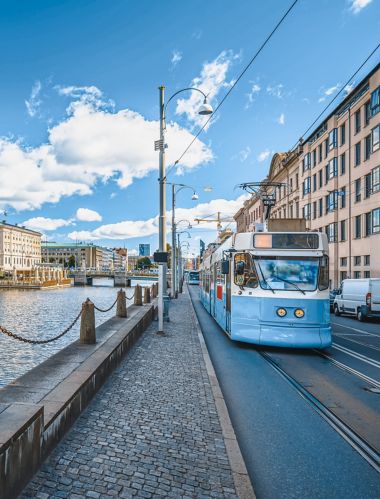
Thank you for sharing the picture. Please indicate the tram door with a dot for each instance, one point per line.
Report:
(213, 289)
(228, 300)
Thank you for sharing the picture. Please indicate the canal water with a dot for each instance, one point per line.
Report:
(42, 314)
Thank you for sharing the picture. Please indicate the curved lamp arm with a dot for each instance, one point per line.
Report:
(184, 90)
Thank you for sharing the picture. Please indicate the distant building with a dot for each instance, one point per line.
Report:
(20, 248)
(84, 255)
(144, 249)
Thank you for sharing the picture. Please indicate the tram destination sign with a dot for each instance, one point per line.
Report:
(286, 241)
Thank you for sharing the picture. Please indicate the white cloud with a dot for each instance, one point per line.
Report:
(176, 58)
(86, 215)
(133, 252)
(91, 144)
(329, 91)
(34, 102)
(349, 88)
(281, 119)
(87, 95)
(244, 154)
(276, 90)
(212, 79)
(263, 155)
(43, 224)
(358, 5)
(143, 228)
(255, 89)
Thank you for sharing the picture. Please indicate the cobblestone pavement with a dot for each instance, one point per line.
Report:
(151, 431)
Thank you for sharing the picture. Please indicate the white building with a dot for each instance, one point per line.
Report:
(20, 248)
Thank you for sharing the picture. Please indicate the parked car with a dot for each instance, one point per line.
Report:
(359, 297)
(333, 294)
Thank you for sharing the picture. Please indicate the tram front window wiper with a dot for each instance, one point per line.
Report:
(264, 280)
(292, 283)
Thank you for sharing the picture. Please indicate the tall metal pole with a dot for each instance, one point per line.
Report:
(162, 214)
(174, 263)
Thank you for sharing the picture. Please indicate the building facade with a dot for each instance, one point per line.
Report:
(82, 255)
(144, 249)
(20, 248)
(250, 214)
(332, 181)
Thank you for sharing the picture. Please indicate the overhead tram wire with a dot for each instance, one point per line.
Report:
(236, 82)
(337, 95)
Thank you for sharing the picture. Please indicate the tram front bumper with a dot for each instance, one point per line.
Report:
(284, 336)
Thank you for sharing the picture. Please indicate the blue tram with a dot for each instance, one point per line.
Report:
(193, 277)
(270, 288)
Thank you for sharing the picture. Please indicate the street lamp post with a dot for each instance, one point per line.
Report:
(175, 189)
(160, 145)
(179, 279)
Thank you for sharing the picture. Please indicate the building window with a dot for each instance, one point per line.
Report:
(358, 190)
(326, 142)
(343, 261)
(343, 134)
(376, 221)
(375, 102)
(357, 260)
(375, 138)
(306, 162)
(367, 112)
(297, 209)
(343, 230)
(291, 211)
(307, 185)
(368, 185)
(375, 181)
(358, 227)
(331, 232)
(296, 180)
(319, 153)
(343, 163)
(320, 210)
(367, 259)
(343, 275)
(367, 274)
(332, 139)
(314, 182)
(357, 154)
(343, 197)
(320, 175)
(367, 147)
(314, 157)
(357, 274)
(331, 169)
(306, 211)
(314, 210)
(331, 201)
(291, 185)
(357, 122)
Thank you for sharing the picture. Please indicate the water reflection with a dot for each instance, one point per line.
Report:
(40, 314)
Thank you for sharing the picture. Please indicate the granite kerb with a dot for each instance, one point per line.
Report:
(38, 408)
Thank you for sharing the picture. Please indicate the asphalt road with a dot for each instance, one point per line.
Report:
(289, 450)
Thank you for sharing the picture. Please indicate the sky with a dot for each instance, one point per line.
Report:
(79, 105)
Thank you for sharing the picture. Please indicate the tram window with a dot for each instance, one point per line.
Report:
(323, 278)
(244, 272)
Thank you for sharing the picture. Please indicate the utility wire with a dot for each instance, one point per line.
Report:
(237, 80)
(337, 95)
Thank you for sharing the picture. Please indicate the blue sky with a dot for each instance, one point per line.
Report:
(79, 103)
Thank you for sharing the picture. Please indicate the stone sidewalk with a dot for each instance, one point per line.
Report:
(151, 431)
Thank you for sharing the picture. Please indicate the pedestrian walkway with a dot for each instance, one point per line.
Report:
(151, 431)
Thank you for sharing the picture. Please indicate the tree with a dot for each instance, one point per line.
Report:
(144, 263)
(71, 262)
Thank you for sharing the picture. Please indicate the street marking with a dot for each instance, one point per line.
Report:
(359, 356)
(355, 329)
(351, 370)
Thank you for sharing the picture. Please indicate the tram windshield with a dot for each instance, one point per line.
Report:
(287, 273)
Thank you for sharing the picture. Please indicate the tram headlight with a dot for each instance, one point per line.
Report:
(299, 313)
(281, 312)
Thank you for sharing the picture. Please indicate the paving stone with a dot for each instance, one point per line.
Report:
(152, 431)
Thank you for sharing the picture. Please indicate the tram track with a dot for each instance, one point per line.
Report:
(349, 369)
(366, 345)
(357, 355)
(349, 435)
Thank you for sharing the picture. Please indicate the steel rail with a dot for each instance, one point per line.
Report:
(349, 369)
(344, 337)
(351, 437)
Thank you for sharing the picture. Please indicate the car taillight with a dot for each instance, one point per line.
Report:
(368, 300)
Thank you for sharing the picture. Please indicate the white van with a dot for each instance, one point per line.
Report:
(359, 297)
